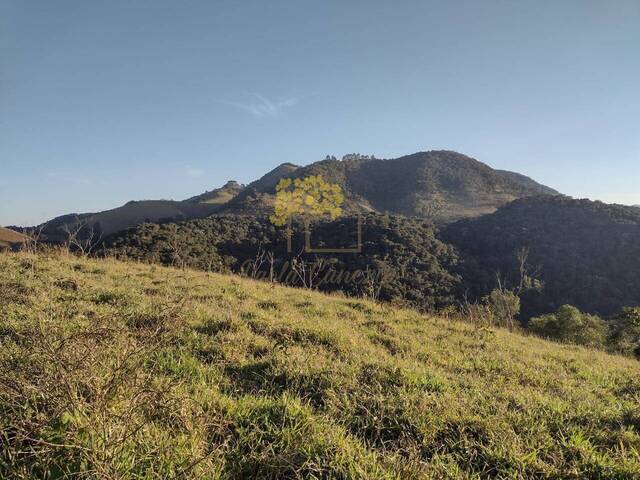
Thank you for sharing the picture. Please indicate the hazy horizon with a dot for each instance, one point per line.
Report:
(106, 103)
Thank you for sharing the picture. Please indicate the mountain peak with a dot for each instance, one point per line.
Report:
(286, 165)
(218, 196)
(232, 184)
(441, 184)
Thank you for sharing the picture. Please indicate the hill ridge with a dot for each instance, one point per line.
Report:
(442, 184)
(439, 184)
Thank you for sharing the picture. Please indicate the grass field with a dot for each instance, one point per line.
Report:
(121, 370)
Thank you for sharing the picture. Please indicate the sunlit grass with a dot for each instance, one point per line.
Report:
(123, 370)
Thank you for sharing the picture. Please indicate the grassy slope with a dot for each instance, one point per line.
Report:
(135, 213)
(129, 215)
(125, 370)
(9, 237)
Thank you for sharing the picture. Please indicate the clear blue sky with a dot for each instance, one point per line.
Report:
(102, 102)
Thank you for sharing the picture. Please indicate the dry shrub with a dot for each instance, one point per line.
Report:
(79, 398)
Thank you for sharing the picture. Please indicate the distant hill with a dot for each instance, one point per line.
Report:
(588, 252)
(134, 213)
(10, 238)
(129, 215)
(439, 184)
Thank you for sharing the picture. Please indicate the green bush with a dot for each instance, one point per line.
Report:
(570, 325)
(505, 306)
(625, 332)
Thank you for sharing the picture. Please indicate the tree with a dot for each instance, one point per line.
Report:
(308, 272)
(505, 302)
(528, 277)
(375, 278)
(81, 237)
(33, 235)
(351, 157)
(505, 306)
(625, 335)
(431, 208)
(175, 249)
(571, 325)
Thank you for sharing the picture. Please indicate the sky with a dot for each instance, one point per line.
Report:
(106, 102)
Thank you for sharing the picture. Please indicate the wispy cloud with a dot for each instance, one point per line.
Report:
(261, 106)
(194, 172)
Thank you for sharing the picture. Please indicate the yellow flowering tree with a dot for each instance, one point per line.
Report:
(309, 197)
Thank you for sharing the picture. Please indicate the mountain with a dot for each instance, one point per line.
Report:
(124, 370)
(218, 196)
(588, 253)
(438, 184)
(10, 238)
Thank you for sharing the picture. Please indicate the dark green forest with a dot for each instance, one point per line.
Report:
(582, 253)
(401, 259)
(586, 253)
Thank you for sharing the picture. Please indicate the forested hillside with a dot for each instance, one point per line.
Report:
(587, 253)
(401, 258)
(414, 252)
(581, 253)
